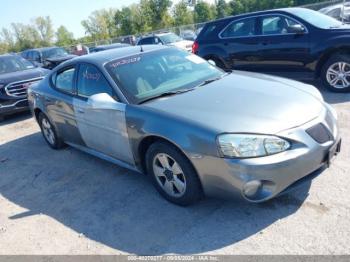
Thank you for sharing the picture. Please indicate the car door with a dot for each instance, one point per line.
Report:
(282, 51)
(239, 41)
(59, 104)
(102, 129)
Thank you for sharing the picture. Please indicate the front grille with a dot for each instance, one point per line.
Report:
(320, 133)
(19, 89)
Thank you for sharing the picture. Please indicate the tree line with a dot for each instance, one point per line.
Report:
(146, 16)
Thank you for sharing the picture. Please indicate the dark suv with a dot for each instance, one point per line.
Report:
(293, 42)
(47, 57)
(16, 75)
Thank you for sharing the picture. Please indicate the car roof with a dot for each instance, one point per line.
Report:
(101, 58)
(112, 45)
(41, 48)
(8, 55)
(257, 13)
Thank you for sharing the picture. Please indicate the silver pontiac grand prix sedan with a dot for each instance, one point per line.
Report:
(194, 129)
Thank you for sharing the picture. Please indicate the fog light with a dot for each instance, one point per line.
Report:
(251, 188)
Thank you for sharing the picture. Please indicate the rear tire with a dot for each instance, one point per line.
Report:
(172, 174)
(49, 132)
(335, 73)
(218, 63)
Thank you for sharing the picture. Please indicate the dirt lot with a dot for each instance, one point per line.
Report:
(67, 202)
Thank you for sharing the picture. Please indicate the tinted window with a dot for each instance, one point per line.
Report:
(170, 38)
(274, 25)
(91, 81)
(245, 27)
(14, 63)
(54, 52)
(36, 56)
(65, 80)
(146, 41)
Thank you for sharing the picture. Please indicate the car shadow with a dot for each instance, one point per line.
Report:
(331, 97)
(10, 119)
(120, 208)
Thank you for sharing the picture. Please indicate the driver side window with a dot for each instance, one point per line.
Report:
(91, 82)
(276, 25)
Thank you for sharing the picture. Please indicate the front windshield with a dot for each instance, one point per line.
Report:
(54, 52)
(170, 38)
(316, 18)
(147, 75)
(10, 64)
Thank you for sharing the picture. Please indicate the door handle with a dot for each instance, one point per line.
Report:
(81, 111)
(48, 99)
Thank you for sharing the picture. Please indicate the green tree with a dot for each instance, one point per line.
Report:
(157, 13)
(64, 37)
(100, 24)
(181, 14)
(26, 36)
(45, 30)
(203, 12)
(222, 8)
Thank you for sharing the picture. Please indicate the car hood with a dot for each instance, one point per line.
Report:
(23, 75)
(60, 58)
(245, 102)
(184, 44)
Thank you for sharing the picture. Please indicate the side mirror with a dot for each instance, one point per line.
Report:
(103, 101)
(296, 29)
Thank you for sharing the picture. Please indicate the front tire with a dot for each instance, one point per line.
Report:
(335, 74)
(49, 132)
(172, 174)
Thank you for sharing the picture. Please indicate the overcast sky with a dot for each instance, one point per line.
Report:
(69, 13)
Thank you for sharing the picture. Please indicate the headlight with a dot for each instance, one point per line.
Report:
(248, 145)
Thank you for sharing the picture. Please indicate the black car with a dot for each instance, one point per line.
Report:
(293, 42)
(47, 57)
(16, 75)
(107, 47)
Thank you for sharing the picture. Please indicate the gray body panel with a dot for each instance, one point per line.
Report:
(239, 103)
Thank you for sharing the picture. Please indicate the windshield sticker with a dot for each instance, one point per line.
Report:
(195, 59)
(126, 61)
(91, 76)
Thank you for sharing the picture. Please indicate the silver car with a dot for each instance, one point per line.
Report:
(194, 129)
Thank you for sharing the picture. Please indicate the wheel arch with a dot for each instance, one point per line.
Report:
(325, 57)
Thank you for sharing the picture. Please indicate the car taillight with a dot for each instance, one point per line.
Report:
(195, 47)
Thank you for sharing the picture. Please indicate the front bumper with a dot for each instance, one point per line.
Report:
(13, 106)
(260, 179)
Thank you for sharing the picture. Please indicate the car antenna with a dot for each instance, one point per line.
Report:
(141, 49)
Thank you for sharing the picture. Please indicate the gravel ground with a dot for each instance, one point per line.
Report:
(67, 202)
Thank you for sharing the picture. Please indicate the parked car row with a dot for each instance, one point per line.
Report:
(195, 129)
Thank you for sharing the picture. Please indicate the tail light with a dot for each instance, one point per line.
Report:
(195, 47)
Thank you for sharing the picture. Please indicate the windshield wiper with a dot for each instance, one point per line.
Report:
(169, 93)
(208, 81)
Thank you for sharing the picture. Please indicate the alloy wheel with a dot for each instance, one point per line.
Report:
(338, 75)
(169, 175)
(48, 132)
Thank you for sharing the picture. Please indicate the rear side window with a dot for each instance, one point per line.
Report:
(64, 80)
(146, 41)
(91, 81)
(241, 28)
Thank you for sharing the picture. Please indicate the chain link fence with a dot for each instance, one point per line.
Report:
(188, 32)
